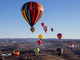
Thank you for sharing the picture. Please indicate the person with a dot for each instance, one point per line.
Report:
(59, 51)
(1, 58)
(28, 58)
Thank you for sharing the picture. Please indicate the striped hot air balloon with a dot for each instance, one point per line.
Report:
(71, 46)
(45, 28)
(32, 12)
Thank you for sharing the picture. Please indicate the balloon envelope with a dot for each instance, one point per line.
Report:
(42, 24)
(52, 29)
(40, 36)
(39, 42)
(32, 12)
(59, 51)
(36, 50)
(71, 46)
(45, 28)
(59, 36)
(16, 53)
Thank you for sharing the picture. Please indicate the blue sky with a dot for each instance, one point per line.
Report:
(62, 15)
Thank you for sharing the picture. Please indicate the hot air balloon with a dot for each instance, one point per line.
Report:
(32, 12)
(39, 42)
(40, 36)
(16, 53)
(59, 36)
(71, 46)
(42, 24)
(32, 29)
(36, 50)
(59, 51)
(52, 29)
(45, 28)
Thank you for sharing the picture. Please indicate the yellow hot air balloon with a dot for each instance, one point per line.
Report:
(40, 36)
(36, 50)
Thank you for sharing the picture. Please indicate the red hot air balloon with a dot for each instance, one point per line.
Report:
(42, 24)
(59, 36)
(52, 29)
(39, 42)
(16, 53)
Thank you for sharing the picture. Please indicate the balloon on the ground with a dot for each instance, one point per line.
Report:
(59, 51)
(40, 36)
(59, 36)
(45, 28)
(32, 29)
(71, 46)
(52, 29)
(16, 53)
(42, 24)
(32, 12)
(39, 42)
(36, 50)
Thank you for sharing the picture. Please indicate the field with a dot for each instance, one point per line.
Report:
(47, 49)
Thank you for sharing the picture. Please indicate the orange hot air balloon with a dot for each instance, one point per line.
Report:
(42, 24)
(16, 53)
(59, 36)
(39, 42)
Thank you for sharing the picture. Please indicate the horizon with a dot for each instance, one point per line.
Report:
(38, 38)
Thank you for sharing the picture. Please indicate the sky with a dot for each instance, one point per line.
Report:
(62, 15)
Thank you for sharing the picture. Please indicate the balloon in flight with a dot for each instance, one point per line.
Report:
(40, 36)
(45, 28)
(42, 24)
(59, 36)
(32, 12)
(39, 42)
(52, 29)
(32, 29)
